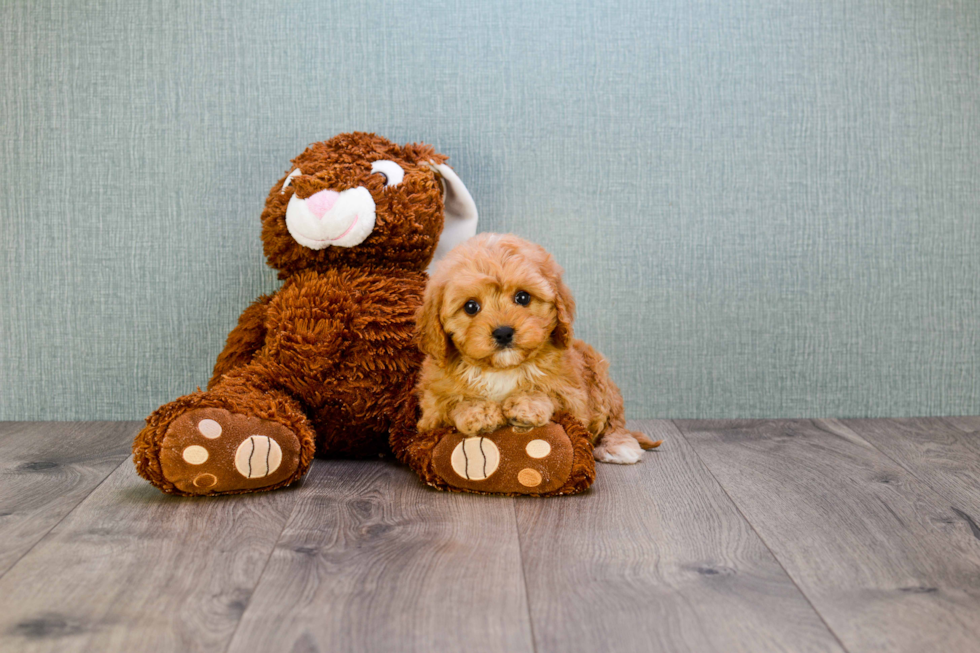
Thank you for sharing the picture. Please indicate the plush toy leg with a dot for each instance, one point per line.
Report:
(237, 437)
(548, 461)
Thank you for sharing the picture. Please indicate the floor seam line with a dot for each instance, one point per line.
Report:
(265, 565)
(65, 516)
(937, 491)
(527, 595)
(761, 539)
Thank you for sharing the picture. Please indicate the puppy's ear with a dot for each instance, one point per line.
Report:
(429, 334)
(564, 304)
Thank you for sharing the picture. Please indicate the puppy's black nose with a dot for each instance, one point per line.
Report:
(504, 335)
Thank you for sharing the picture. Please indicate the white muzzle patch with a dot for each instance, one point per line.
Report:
(348, 222)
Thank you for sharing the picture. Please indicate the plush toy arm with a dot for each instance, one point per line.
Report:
(244, 340)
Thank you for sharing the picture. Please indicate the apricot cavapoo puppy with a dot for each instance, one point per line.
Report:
(496, 325)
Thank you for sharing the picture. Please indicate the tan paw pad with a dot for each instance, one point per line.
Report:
(258, 456)
(475, 458)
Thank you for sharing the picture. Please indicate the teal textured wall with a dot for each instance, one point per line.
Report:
(764, 208)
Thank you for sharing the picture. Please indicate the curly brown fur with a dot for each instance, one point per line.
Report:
(474, 382)
(332, 351)
(244, 340)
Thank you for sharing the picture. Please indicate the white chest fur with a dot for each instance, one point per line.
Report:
(497, 385)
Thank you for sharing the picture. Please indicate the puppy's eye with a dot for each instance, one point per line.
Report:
(522, 298)
(390, 171)
(472, 307)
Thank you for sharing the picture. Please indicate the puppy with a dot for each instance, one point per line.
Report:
(496, 327)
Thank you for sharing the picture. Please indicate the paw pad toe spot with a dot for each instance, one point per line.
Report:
(195, 455)
(529, 477)
(204, 481)
(209, 428)
(537, 448)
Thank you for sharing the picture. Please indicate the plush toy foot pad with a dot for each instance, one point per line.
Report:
(509, 460)
(213, 451)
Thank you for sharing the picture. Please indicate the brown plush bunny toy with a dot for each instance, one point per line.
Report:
(322, 365)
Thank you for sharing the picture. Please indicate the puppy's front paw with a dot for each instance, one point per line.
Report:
(472, 417)
(619, 450)
(528, 410)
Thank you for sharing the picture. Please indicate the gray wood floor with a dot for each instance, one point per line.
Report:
(826, 535)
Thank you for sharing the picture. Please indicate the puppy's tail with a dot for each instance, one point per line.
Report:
(645, 442)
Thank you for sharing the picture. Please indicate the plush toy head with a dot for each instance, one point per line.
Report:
(359, 199)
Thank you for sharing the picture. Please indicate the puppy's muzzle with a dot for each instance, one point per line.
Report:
(504, 336)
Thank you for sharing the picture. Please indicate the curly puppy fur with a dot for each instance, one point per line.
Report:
(496, 327)
(331, 354)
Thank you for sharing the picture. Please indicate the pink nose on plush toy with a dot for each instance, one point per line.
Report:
(322, 202)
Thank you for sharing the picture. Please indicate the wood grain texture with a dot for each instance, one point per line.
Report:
(735, 536)
(132, 569)
(967, 424)
(374, 561)
(657, 558)
(942, 453)
(48, 468)
(884, 559)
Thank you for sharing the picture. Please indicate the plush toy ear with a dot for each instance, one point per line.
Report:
(459, 222)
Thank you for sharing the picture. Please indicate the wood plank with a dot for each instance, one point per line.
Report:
(967, 424)
(48, 468)
(374, 561)
(657, 558)
(132, 569)
(936, 451)
(883, 558)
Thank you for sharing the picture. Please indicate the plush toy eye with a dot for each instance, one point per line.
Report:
(472, 307)
(391, 171)
(522, 298)
(289, 179)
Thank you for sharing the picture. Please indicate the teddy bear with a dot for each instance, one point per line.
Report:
(326, 364)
